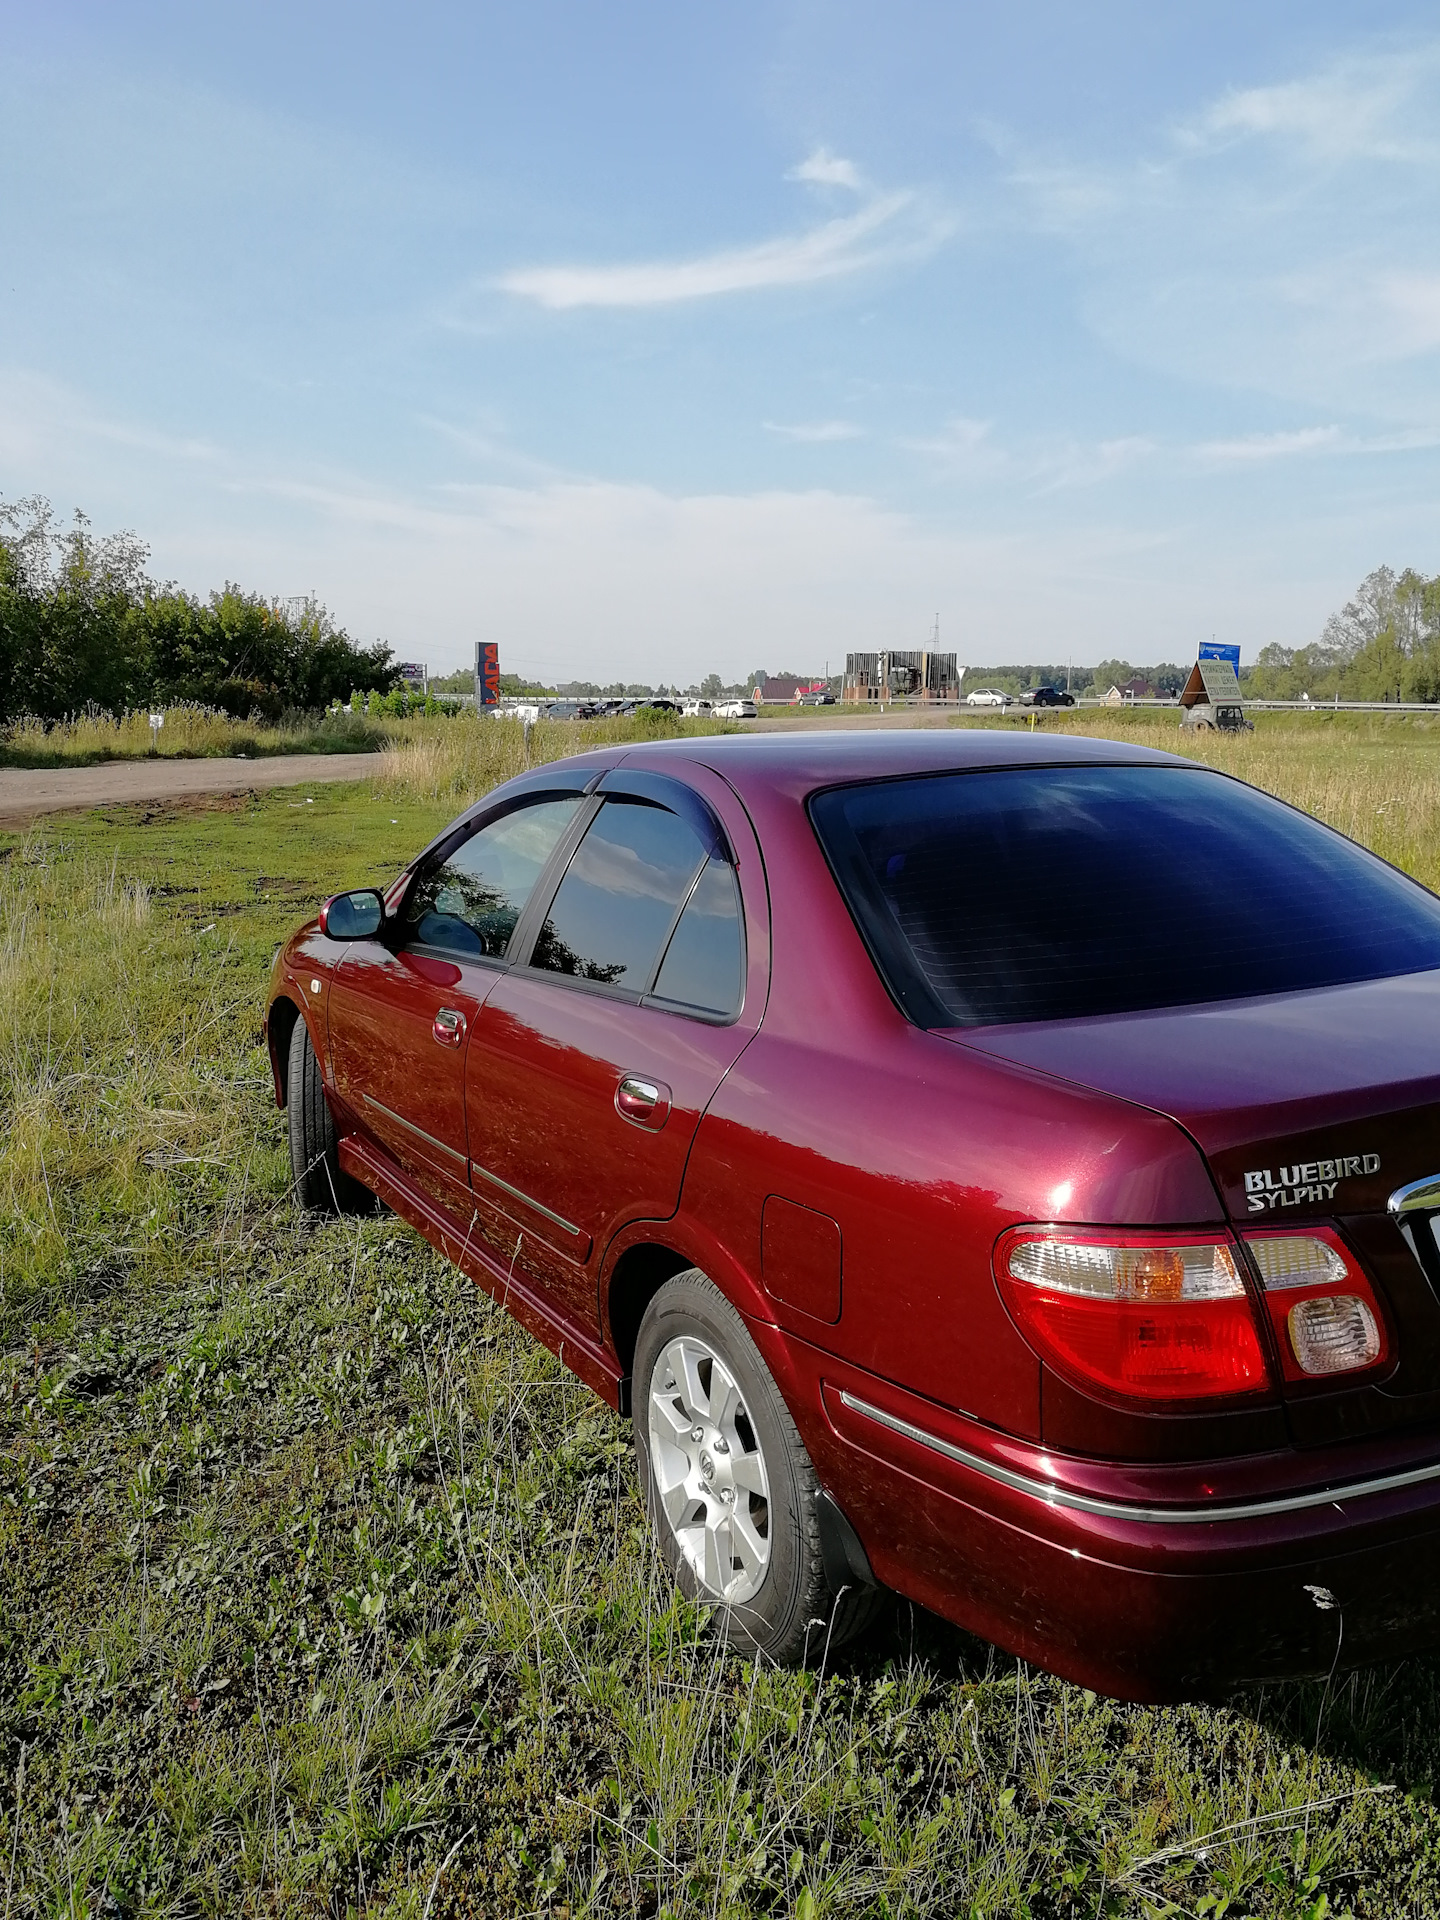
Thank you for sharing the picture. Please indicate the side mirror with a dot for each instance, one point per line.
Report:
(353, 916)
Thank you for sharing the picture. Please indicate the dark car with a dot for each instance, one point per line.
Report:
(1064, 1258)
(1046, 697)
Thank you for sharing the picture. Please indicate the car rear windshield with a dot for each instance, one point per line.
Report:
(1057, 893)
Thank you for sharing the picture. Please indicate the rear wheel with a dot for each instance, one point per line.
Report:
(320, 1183)
(732, 1496)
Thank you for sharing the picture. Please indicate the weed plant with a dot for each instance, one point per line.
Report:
(325, 1591)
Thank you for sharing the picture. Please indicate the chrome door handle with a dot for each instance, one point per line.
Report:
(645, 1102)
(448, 1027)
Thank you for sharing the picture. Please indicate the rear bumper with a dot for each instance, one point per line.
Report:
(1107, 1578)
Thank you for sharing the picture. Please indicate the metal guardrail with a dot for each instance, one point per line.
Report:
(1279, 706)
(1100, 704)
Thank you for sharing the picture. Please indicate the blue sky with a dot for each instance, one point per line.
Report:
(653, 339)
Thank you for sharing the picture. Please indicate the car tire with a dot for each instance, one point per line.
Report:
(704, 1404)
(321, 1185)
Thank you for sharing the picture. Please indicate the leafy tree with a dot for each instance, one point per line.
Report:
(1112, 673)
(82, 624)
(65, 603)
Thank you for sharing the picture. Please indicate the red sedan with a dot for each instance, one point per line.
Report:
(999, 1169)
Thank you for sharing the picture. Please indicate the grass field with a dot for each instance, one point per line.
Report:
(323, 1590)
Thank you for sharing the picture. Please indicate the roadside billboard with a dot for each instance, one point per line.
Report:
(1220, 650)
(487, 673)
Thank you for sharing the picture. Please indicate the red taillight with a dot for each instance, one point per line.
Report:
(1142, 1316)
(1326, 1318)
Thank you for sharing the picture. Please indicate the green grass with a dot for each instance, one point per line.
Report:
(323, 1590)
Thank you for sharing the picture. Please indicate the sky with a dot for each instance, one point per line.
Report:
(652, 340)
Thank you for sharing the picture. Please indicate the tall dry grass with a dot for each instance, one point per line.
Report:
(190, 732)
(459, 761)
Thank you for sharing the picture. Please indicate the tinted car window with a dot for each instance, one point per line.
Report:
(703, 964)
(1060, 892)
(470, 903)
(615, 908)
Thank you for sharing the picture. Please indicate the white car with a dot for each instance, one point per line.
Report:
(987, 697)
(696, 709)
(735, 710)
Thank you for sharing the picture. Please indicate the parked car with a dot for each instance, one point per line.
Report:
(697, 709)
(823, 699)
(1063, 1257)
(1046, 697)
(988, 697)
(735, 710)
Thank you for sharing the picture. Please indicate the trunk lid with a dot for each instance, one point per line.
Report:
(1307, 1107)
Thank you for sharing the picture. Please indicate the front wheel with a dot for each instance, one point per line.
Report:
(321, 1185)
(732, 1496)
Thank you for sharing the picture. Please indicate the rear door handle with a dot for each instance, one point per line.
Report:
(448, 1027)
(642, 1101)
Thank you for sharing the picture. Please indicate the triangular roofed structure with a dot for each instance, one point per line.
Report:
(1213, 682)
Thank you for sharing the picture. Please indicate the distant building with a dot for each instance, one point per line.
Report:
(778, 691)
(900, 676)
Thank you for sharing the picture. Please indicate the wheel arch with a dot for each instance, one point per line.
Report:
(639, 1263)
(279, 1026)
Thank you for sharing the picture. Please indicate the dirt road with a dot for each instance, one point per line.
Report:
(26, 793)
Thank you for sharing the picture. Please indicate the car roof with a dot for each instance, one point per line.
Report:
(800, 762)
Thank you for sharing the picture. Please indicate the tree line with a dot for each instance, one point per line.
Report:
(82, 625)
(1384, 644)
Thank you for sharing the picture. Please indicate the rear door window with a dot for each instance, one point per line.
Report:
(470, 902)
(1057, 893)
(704, 965)
(640, 897)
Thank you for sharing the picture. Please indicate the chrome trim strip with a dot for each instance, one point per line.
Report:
(1119, 1510)
(516, 1194)
(419, 1132)
(1421, 1196)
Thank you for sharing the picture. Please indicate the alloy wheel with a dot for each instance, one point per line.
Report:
(709, 1470)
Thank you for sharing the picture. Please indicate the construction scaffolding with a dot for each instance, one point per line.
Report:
(924, 676)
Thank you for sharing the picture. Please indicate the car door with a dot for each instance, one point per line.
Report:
(594, 1058)
(403, 1006)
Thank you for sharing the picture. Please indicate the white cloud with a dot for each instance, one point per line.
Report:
(1251, 448)
(1074, 464)
(1361, 107)
(967, 450)
(1258, 448)
(886, 227)
(815, 432)
(837, 247)
(826, 169)
(962, 447)
(36, 409)
(584, 578)
(1279, 238)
